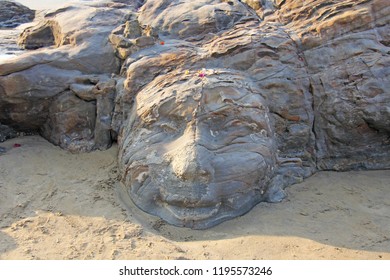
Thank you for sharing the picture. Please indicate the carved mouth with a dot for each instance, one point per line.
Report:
(192, 214)
(186, 202)
(188, 208)
(189, 195)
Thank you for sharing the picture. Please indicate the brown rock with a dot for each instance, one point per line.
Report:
(43, 35)
(71, 123)
(173, 19)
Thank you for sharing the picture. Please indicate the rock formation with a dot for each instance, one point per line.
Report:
(216, 105)
(13, 14)
(65, 90)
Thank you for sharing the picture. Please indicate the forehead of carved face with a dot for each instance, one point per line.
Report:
(198, 156)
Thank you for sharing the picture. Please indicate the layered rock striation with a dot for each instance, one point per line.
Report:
(216, 105)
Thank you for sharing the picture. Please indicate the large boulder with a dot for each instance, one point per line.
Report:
(72, 53)
(79, 119)
(13, 14)
(320, 69)
(71, 122)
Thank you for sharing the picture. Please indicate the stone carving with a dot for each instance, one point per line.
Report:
(198, 151)
(216, 105)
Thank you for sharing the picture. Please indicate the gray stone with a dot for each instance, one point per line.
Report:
(13, 14)
(198, 151)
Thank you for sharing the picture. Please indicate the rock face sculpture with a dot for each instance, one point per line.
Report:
(198, 151)
(215, 105)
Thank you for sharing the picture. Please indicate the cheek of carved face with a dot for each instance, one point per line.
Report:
(198, 169)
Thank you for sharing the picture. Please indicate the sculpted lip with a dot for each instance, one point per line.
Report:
(184, 201)
(193, 214)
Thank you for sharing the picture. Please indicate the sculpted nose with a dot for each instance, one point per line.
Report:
(192, 162)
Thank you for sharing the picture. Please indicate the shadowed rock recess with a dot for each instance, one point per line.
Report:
(215, 105)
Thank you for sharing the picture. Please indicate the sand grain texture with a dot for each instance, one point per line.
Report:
(58, 205)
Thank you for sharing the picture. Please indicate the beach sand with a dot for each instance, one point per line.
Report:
(58, 205)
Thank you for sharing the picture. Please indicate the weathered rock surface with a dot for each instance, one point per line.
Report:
(345, 46)
(199, 150)
(43, 35)
(74, 58)
(192, 20)
(216, 105)
(13, 14)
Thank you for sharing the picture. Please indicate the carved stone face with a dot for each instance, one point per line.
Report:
(198, 153)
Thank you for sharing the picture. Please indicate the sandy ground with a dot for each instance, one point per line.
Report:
(58, 205)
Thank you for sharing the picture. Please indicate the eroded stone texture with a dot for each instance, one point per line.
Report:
(193, 20)
(262, 7)
(216, 104)
(71, 123)
(73, 66)
(79, 120)
(26, 96)
(198, 151)
(346, 51)
(275, 64)
(304, 60)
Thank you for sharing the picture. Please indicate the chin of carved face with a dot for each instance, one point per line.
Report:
(196, 160)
